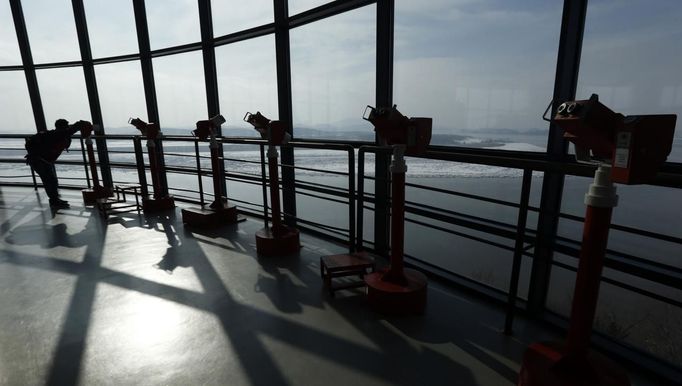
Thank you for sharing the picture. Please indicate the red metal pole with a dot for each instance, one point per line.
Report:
(93, 165)
(215, 170)
(600, 199)
(274, 190)
(395, 273)
(586, 293)
(154, 168)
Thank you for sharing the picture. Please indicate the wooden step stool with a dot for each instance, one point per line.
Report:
(334, 266)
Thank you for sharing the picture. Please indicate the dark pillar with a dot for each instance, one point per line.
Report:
(384, 98)
(565, 84)
(91, 86)
(285, 110)
(148, 79)
(211, 76)
(27, 61)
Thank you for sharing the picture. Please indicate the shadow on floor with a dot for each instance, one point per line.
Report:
(398, 359)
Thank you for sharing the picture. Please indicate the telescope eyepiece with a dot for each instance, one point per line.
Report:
(572, 108)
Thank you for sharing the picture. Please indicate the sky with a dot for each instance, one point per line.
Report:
(472, 65)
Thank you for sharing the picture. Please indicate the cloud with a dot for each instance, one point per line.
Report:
(51, 30)
(332, 70)
(172, 22)
(9, 48)
(247, 80)
(180, 89)
(121, 93)
(233, 16)
(63, 94)
(111, 25)
(15, 105)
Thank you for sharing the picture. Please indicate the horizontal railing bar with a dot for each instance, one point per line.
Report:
(453, 213)
(461, 234)
(624, 228)
(323, 198)
(466, 195)
(657, 275)
(628, 287)
(635, 259)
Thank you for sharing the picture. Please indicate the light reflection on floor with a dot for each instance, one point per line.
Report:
(144, 301)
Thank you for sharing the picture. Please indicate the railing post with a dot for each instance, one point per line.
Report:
(265, 186)
(518, 250)
(351, 200)
(201, 182)
(360, 204)
(139, 160)
(85, 163)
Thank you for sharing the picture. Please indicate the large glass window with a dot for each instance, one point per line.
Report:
(111, 25)
(236, 15)
(63, 94)
(9, 48)
(15, 104)
(180, 92)
(631, 58)
(247, 81)
(16, 118)
(333, 75)
(51, 30)
(121, 95)
(483, 70)
(172, 22)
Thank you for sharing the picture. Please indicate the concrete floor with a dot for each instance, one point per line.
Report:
(135, 300)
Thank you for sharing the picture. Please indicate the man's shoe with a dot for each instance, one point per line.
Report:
(59, 204)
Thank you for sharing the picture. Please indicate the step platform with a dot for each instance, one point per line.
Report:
(90, 196)
(210, 218)
(545, 364)
(396, 299)
(152, 205)
(285, 242)
(118, 204)
(344, 266)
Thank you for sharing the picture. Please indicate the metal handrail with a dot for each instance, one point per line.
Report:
(529, 162)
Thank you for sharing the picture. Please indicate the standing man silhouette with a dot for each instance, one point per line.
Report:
(43, 150)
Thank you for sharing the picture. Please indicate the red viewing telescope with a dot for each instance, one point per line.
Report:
(636, 145)
(628, 150)
(160, 201)
(148, 130)
(280, 239)
(398, 290)
(208, 127)
(273, 131)
(396, 129)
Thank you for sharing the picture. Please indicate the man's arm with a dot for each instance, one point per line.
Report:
(80, 125)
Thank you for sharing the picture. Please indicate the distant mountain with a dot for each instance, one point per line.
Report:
(491, 137)
(503, 131)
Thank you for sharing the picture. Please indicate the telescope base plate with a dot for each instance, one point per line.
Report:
(210, 218)
(394, 299)
(285, 242)
(547, 363)
(151, 205)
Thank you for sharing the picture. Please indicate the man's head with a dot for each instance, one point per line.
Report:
(61, 124)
